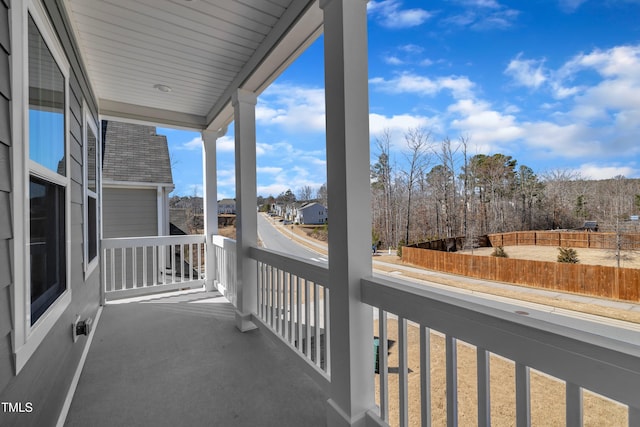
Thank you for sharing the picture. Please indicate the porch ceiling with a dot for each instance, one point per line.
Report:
(202, 49)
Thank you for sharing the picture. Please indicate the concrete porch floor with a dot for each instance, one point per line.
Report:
(178, 360)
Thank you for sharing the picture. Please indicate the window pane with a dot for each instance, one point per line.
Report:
(91, 160)
(92, 228)
(48, 260)
(46, 105)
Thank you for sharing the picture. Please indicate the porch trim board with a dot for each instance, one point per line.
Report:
(76, 376)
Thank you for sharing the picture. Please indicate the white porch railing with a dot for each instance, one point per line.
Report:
(293, 303)
(224, 276)
(583, 354)
(293, 298)
(143, 265)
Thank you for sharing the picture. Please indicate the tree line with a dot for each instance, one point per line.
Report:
(441, 190)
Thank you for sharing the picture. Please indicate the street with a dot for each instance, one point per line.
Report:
(275, 240)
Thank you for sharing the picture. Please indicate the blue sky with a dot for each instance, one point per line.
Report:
(553, 83)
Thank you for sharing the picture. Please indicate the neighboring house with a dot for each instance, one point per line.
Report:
(179, 221)
(291, 210)
(589, 226)
(227, 206)
(136, 181)
(311, 213)
(278, 209)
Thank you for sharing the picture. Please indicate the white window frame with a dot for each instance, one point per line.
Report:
(26, 337)
(90, 124)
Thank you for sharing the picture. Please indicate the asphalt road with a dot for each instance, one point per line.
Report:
(274, 239)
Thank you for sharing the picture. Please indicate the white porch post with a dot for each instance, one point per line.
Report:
(209, 170)
(347, 112)
(244, 106)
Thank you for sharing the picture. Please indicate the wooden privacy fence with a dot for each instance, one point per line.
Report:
(595, 280)
(577, 239)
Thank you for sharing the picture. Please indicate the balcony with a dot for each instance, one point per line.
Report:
(291, 343)
(176, 358)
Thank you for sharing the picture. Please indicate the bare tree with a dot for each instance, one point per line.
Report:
(381, 182)
(321, 195)
(558, 197)
(447, 157)
(418, 146)
(304, 193)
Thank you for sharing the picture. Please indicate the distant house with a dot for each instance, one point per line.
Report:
(136, 181)
(226, 206)
(590, 226)
(311, 213)
(278, 208)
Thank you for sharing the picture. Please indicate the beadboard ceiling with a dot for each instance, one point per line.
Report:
(203, 50)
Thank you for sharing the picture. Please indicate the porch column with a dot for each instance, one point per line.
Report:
(210, 180)
(244, 110)
(348, 183)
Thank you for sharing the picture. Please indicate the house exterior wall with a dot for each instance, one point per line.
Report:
(314, 213)
(45, 379)
(6, 231)
(130, 212)
(227, 206)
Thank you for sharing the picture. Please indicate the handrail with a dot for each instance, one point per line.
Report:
(594, 355)
(131, 242)
(316, 272)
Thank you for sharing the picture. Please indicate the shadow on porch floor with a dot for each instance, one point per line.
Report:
(179, 360)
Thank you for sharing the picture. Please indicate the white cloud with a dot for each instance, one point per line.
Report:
(223, 144)
(570, 6)
(269, 170)
(567, 141)
(389, 13)
(526, 72)
(490, 4)
(273, 189)
(599, 171)
(482, 15)
(612, 104)
(393, 60)
(295, 108)
(397, 125)
(619, 69)
(487, 127)
(226, 144)
(459, 86)
(194, 144)
(412, 49)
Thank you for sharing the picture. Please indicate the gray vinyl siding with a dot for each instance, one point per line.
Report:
(46, 378)
(6, 231)
(130, 212)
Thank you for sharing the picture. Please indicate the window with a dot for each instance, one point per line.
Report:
(41, 203)
(91, 174)
(47, 175)
(47, 245)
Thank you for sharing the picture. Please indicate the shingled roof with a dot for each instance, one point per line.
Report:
(135, 153)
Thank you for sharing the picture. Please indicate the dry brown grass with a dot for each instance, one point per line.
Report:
(630, 259)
